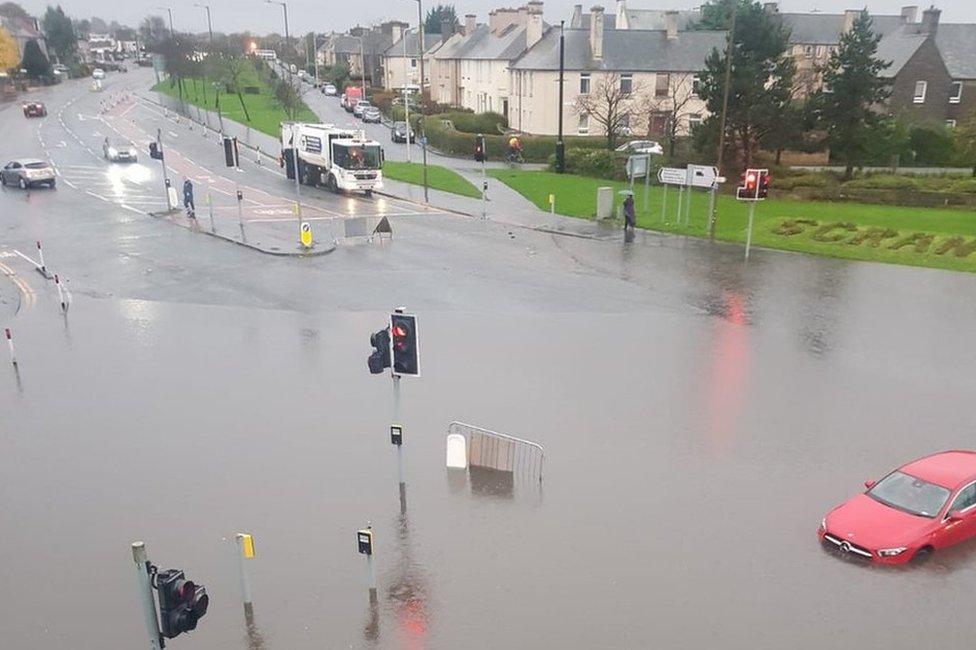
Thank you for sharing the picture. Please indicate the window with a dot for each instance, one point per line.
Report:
(955, 92)
(626, 84)
(413, 63)
(695, 85)
(965, 499)
(920, 88)
(585, 83)
(950, 124)
(623, 124)
(808, 51)
(584, 124)
(661, 85)
(694, 121)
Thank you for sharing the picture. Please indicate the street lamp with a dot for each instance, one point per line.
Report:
(209, 23)
(284, 7)
(423, 128)
(362, 67)
(560, 145)
(170, 12)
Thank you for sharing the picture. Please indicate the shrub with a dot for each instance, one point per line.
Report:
(487, 123)
(883, 182)
(802, 180)
(967, 185)
(598, 163)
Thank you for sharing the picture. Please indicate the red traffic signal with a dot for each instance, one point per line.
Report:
(479, 148)
(405, 344)
(754, 185)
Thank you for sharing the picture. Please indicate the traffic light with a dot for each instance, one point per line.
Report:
(479, 148)
(764, 180)
(405, 344)
(155, 151)
(181, 602)
(231, 156)
(380, 357)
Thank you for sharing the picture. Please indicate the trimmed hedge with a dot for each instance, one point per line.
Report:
(474, 123)
(600, 163)
(535, 148)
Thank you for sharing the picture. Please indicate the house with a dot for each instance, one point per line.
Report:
(361, 49)
(472, 71)
(23, 30)
(654, 70)
(401, 65)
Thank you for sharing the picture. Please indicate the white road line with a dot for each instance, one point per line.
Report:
(97, 196)
(69, 183)
(36, 265)
(131, 209)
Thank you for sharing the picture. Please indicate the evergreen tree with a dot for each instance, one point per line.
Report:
(853, 89)
(437, 16)
(60, 34)
(36, 64)
(761, 83)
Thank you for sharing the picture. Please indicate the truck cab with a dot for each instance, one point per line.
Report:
(340, 159)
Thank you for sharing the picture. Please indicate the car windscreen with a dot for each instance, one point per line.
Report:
(910, 494)
(356, 156)
(36, 165)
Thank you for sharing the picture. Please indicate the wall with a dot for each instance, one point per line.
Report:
(926, 65)
(399, 71)
(484, 84)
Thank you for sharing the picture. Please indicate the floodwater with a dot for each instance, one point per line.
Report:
(690, 458)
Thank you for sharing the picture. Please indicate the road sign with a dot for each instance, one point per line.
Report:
(306, 234)
(637, 166)
(702, 176)
(672, 176)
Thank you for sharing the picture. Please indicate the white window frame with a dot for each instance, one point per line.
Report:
(629, 77)
(955, 99)
(694, 120)
(584, 76)
(695, 85)
(950, 123)
(808, 51)
(920, 98)
(583, 125)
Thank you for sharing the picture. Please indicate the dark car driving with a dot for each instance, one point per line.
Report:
(399, 132)
(35, 109)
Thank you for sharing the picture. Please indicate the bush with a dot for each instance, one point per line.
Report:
(252, 90)
(967, 185)
(784, 182)
(883, 182)
(599, 163)
(487, 123)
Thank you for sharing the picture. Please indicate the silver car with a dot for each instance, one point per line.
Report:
(371, 114)
(27, 173)
(360, 106)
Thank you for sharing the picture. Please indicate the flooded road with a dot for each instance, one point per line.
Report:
(690, 458)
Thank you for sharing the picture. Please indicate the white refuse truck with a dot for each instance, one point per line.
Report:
(339, 159)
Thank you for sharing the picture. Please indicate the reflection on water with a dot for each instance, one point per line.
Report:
(729, 372)
(255, 640)
(371, 631)
(408, 590)
(487, 482)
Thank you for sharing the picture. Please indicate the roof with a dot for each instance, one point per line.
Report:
(631, 50)
(957, 44)
(898, 48)
(948, 468)
(483, 44)
(826, 29)
(654, 18)
(409, 41)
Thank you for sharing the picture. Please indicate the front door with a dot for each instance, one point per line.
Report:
(953, 532)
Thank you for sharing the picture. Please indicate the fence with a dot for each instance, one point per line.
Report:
(501, 452)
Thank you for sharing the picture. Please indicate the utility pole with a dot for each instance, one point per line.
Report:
(284, 7)
(560, 145)
(423, 125)
(172, 32)
(362, 61)
(209, 24)
(720, 154)
(406, 96)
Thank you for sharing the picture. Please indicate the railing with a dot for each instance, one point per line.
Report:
(499, 451)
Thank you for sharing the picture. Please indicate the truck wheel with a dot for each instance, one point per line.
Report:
(332, 184)
(369, 192)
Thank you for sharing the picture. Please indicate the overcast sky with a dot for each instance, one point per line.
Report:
(326, 15)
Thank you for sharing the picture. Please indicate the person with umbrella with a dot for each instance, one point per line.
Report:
(630, 218)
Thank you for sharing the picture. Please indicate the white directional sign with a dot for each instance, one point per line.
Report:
(702, 176)
(672, 176)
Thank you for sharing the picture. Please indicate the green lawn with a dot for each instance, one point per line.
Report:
(266, 115)
(900, 235)
(438, 178)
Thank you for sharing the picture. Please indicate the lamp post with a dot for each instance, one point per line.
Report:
(209, 23)
(362, 68)
(720, 154)
(170, 12)
(284, 8)
(423, 128)
(560, 145)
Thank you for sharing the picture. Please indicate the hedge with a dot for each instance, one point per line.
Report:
(535, 148)
(599, 163)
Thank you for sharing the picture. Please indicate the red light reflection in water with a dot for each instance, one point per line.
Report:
(412, 616)
(729, 374)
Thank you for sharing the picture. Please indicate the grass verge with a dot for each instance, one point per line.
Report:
(930, 237)
(438, 178)
(266, 115)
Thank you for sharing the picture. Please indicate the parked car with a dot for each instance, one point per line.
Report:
(642, 146)
(329, 89)
(921, 507)
(359, 107)
(372, 114)
(35, 109)
(400, 132)
(98, 73)
(27, 172)
(119, 151)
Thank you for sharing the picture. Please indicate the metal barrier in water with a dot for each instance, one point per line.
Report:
(499, 451)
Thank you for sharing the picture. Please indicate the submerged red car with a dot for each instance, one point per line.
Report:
(919, 508)
(35, 109)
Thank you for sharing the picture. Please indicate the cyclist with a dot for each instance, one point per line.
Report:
(514, 149)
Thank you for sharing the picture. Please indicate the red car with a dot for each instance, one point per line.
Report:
(35, 109)
(920, 507)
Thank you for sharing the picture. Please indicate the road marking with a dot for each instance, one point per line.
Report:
(27, 294)
(97, 196)
(129, 207)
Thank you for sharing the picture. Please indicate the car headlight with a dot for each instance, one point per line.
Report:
(112, 151)
(891, 552)
(132, 152)
(823, 524)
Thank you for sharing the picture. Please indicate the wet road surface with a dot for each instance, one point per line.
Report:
(700, 416)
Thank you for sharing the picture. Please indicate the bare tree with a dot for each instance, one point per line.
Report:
(229, 70)
(668, 106)
(610, 103)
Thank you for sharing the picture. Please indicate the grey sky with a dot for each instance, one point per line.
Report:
(324, 15)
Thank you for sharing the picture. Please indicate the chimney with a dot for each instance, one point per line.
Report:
(576, 20)
(535, 7)
(447, 29)
(620, 13)
(930, 20)
(850, 15)
(771, 7)
(909, 14)
(499, 19)
(470, 23)
(396, 31)
(671, 24)
(596, 31)
(533, 30)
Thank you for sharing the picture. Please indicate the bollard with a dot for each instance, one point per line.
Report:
(213, 228)
(245, 551)
(10, 344)
(140, 556)
(57, 283)
(40, 255)
(552, 204)
(364, 539)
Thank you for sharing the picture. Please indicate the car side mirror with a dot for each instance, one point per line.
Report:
(869, 483)
(955, 515)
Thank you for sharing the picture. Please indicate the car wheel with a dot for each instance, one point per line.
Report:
(22, 183)
(52, 184)
(922, 554)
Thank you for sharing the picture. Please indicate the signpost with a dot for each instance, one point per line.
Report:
(703, 176)
(306, 234)
(639, 166)
(754, 188)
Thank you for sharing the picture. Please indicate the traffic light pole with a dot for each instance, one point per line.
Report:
(140, 557)
(159, 145)
(752, 213)
(484, 187)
